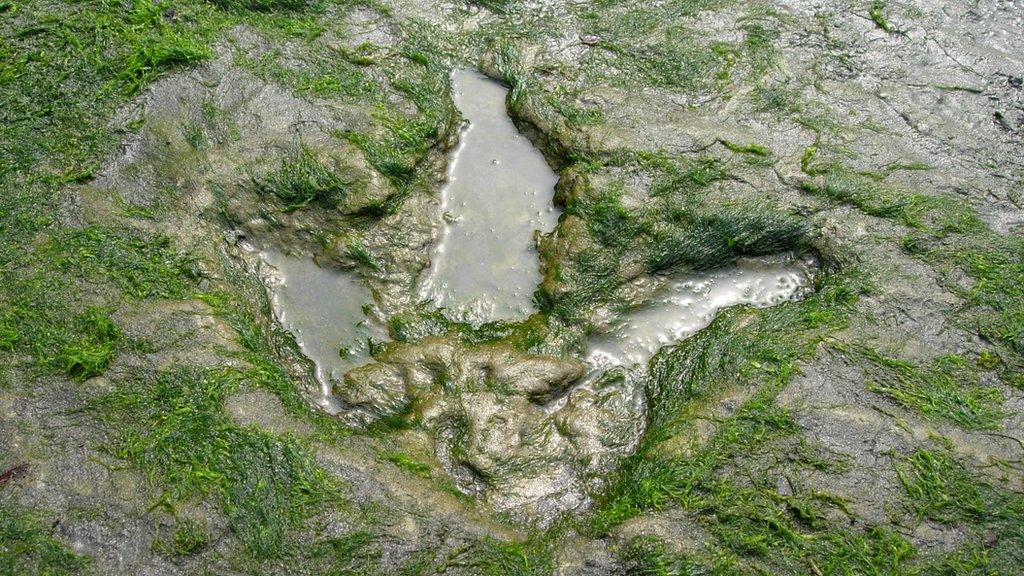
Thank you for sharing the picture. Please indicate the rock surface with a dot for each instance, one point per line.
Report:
(875, 427)
(507, 426)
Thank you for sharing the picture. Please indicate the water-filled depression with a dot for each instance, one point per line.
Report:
(499, 191)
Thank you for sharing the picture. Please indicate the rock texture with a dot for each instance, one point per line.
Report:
(514, 428)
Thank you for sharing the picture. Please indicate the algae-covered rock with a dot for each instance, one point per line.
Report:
(873, 427)
(441, 363)
(521, 430)
(227, 147)
(377, 389)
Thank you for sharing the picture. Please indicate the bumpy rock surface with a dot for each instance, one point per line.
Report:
(511, 427)
(156, 420)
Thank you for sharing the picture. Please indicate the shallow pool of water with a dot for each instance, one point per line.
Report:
(689, 302)
(323, 310)
(484, 266)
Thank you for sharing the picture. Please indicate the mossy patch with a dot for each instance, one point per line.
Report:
(867, 194)
(303, 179)
(28, 547)
(263, 5)
(877, 13)
(679, 224)
(752, 526)
(996, 299)
(172, 426)
(643, 45)
(49, 312)
(948, 389)
(324, 74)
(139, 266)
(60, 339)
(189, 537)
(422, 322)
(492, 557)
(407, 463)
(358, 252)
(755, 149)
(759, 348)
(942, 488)
(352, 554)
(946, 234)
(90, 355)
(401, 139)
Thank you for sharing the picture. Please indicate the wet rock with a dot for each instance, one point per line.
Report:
(439, 363)
(375, 389)
(581, 557)
(681, 532)
(508, 426)
(275, 169)
(521, 431)
(539, 378)
(50, 462)
(263, 409)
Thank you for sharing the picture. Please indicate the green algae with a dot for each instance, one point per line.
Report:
(948, 389)
(942, 488)
(397, 142)
(28, 546)
(680, 226)
(996, 263)
(755, 149)
(739, 343)
(877, 13)
(79, 343)
(936, 236)
(947, 235)
(189, 537)
(325, 76)
(91, 355)
(407, 463)
(495, 558)
(138, 266)
(944, 233)
(400, 143)
(45, 314)
(267, 486)
(876, 551)
(303, 179)
(263, 5)
(753, 527)
(172, 425)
